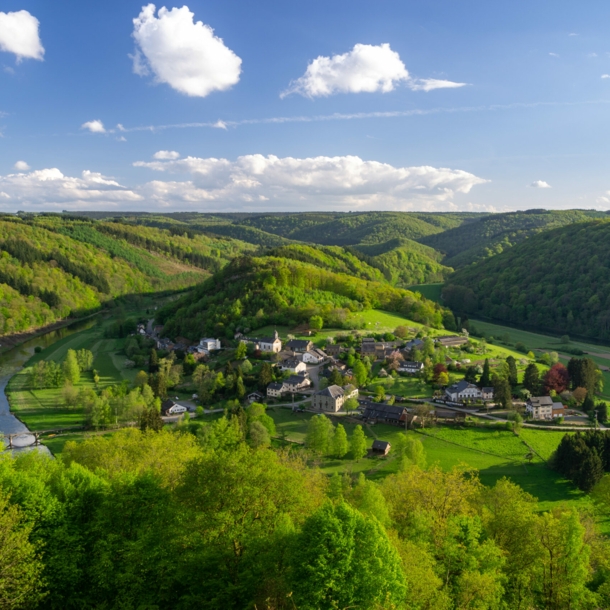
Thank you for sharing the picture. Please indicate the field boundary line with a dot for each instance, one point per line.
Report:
(470, 448)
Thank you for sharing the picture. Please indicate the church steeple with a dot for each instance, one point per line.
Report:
(275, 335)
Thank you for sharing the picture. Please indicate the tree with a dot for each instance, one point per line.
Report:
(141, 380)
(485, 380)
(583, 374)
(556, 378)
(153, 361)
(531, 378)
(409, 450)
(438, 370)
(150, 419)
(340, 443)
(360, 373)
(246, 367)
(588, 404)
(470, 375)
(443, 379)
(316, 322)
(579, 394)
(85, 359)
(240, 389)
(241, 351)
(341, 559)
(351, 404)
(189, 364)
(259, 435)
(265, 376)
(602, 412)
(20, 564)
(513, 375)
(502, 392)
(379, 393)
(70, 396)
(70, 368)
(358, 444)
(320, 432)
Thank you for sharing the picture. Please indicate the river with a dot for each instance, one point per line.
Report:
(11, 362)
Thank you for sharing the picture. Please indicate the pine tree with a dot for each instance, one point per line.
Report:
(153, 363)
(531, 378)
(590, 472)
(265, 377)
(513, 376)
(485, 379)
(502, 392)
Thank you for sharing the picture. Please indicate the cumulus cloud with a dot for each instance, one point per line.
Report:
(22, 166)
(554, 54)
(50, 188)
(166, 155)
(318, 181)
(183, 53)
(540, 184)
(95, 126)
(366, 68)
(605, 75)
(19, 35)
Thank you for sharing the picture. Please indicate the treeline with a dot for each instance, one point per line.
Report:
(492, 234)
(253, 292)
(584, 457)
(208, 521)
(557, 281)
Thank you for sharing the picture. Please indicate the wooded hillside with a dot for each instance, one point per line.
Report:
(53, 267)
(558, 281)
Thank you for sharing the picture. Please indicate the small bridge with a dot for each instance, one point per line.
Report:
(20, 440)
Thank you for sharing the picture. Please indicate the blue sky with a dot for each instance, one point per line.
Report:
(527, 128)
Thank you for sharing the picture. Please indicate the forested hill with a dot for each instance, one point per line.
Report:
(253, 292)
(53, 267)
(490, 235)
(558, 280)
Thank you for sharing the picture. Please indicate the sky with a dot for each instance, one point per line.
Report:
(301, 106)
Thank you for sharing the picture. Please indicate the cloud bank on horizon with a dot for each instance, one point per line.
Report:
(251, 181)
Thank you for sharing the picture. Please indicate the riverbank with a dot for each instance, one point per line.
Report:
(9, 342)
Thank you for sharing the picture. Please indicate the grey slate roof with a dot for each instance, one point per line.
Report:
(380, 445)
(375, 410)
(332, 391)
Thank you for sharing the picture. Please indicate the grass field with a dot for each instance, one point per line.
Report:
(44, 409)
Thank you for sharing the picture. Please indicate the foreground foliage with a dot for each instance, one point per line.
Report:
(171, 520)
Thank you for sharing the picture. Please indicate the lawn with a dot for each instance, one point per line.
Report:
(543, 442)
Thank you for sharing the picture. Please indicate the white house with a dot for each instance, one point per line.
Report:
(462, 390)
(297, 383)
(169, 407)
(540, 407)
(208, 345)
(314, 356)
(266, 344)
(275, 390)
(292, 365)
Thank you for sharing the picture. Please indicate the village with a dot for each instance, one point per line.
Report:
(336, 376)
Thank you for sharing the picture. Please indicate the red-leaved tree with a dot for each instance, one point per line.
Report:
(439, 369)
(557, 378)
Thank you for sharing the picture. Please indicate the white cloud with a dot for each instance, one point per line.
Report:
(540, 184)
(121, 139)
(95, 126)
(49, 189)
(183, 53)
(22, 166)
(592, 55)
(605, 75)
(429, 84)
(331, 182)
(366, 68)
(19, 35)
(572, 34)
(220, 125)
(554, 54)
(166, 155)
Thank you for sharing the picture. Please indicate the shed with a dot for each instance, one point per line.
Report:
(381, 447)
